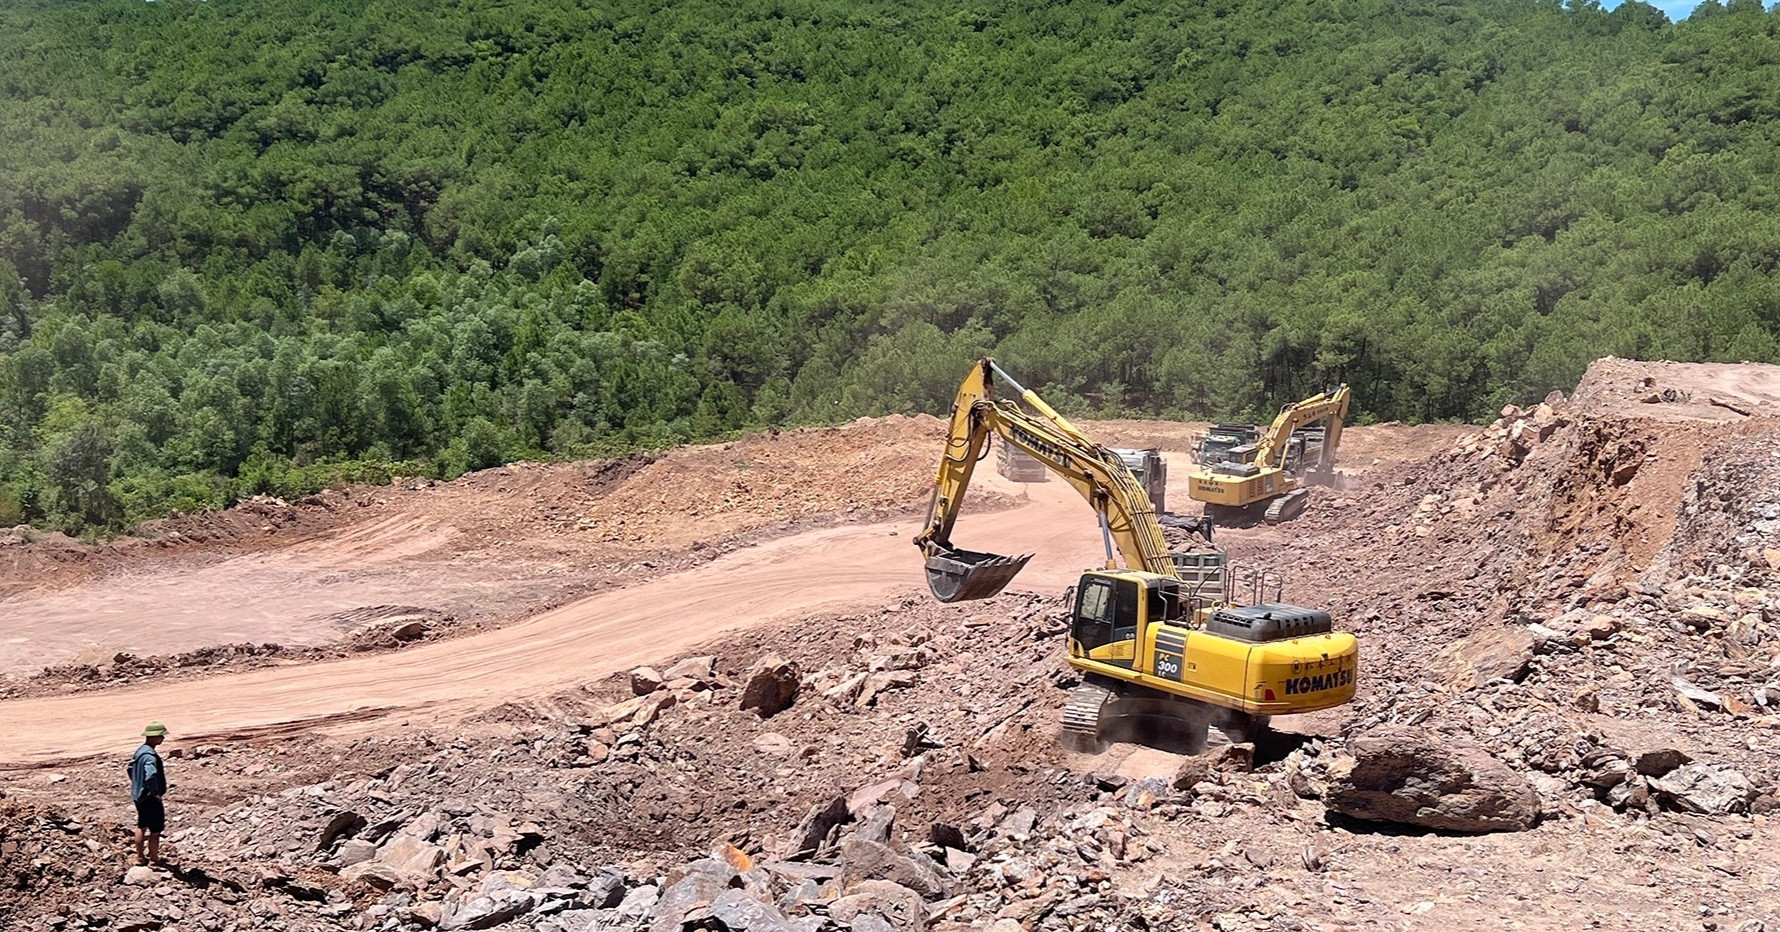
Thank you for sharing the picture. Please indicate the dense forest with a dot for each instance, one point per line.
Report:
(262, 245)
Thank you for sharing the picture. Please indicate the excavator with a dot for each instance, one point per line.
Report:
(1298, 448)
(1151, 642)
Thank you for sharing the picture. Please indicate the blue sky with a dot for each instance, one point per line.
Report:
(1677, 9)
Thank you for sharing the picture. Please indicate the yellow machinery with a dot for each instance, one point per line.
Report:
(1150, 643)
(1286, 456)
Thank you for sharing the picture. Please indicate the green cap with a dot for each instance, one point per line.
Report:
(154, 730)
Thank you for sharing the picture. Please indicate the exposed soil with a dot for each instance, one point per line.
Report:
(1574, 586)
(496, 545)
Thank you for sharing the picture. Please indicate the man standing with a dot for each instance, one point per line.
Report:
(148, 783)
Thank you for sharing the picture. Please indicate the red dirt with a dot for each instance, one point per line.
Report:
(1626, 515)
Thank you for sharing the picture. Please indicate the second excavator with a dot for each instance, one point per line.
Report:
(1270, 472)
(1156, 638)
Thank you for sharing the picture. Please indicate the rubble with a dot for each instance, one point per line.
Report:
(1404, 775)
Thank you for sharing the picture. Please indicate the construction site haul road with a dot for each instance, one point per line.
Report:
(713, 689)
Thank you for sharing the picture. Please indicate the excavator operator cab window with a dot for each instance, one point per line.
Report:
(1124, 610)
(1093, 623)
(1165, 602)
(1105, 612)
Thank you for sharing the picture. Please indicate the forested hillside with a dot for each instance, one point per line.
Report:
(255, 245)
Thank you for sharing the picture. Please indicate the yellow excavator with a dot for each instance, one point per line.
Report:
(1151, 642)
(1299, 448)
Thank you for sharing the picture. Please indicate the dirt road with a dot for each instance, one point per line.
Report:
(293, 596)
(822, 570)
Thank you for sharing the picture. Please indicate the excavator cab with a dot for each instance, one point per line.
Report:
(1113, 607)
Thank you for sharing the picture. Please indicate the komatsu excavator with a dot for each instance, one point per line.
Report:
(1150, 642)
(1286, 457)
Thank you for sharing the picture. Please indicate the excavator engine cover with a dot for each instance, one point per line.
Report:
(964, 575)
(1271, 622)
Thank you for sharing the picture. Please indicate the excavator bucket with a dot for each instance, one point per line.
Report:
(963, 575)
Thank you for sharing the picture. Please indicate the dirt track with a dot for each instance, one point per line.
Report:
(578, 643)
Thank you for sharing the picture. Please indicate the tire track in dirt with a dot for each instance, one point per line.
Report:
(804, 575)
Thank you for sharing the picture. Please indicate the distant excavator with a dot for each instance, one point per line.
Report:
(1243, 469)
(1157, 639)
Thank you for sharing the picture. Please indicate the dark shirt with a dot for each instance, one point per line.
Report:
(148, 776)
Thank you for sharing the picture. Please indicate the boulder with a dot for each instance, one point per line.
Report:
(809, 836)
(739, 912)
(486, 910)
(424, 827)
(426, 915)
(644, 680)
(341, 825)
(947, 835)
(355, 851)
(1500, 653)
(652, 708)
(1704, 789)
(876, 684)
(1238, 757)
(898, 905)
(697, 669)
(500, 881)
(415, 860)
(639, 902)
(699, 887)
(605, 890)
(863, 860)
(1145, 794)
(1600, 627)
(1658, 762)
(773, 683)
(871, 922)
(871, 796)
(1191, 772)
(1405, 775)
(562, 874)
(875, 824)
(141, 876)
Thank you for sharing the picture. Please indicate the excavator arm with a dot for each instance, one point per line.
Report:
(1127, 521)
(1331, 404)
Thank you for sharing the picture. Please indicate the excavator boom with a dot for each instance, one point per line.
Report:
(1331, 404)
(1127, 520)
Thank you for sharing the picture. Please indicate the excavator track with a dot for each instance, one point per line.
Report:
(1287, 506)
(1081, 717)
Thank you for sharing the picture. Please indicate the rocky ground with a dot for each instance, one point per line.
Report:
(1568, 623)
